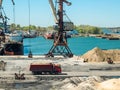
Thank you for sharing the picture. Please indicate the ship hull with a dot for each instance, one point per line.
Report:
(12, 48)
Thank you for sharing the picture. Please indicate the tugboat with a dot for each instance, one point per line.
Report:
(8, 46)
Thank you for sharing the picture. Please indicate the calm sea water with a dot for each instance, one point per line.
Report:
(78, 45)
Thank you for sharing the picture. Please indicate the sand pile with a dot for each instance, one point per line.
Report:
(78, 83)
(112, 84)
(87, 83)
(98, 55)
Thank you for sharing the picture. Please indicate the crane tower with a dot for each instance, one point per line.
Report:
(60, 46)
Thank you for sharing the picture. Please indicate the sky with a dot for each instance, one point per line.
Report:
(102, 13)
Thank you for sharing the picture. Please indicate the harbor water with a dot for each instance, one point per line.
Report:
(78, 45)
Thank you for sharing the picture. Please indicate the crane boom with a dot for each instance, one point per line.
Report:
(53, 11)
(68, 3)
(1, 3)
(3, 16)
(13, 2)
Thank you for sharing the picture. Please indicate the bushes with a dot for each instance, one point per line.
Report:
(86, 29)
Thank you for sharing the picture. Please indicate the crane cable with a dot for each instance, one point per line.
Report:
(55, 4)
(30, 52)
(14, 16)
(67, 16)
(13, 11)
(13, 2)
(29, 13)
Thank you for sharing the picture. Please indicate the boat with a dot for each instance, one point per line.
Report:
(49, 35)
(9, 46)
(15, 36)
(113, 38)
(116, 31)
(13, 48)
(10, 43)
(13, 44)
(30, 34)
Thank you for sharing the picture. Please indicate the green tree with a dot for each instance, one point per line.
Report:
(12, 26)
(86, 29)
(18, 27)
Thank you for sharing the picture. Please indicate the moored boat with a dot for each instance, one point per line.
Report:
(49, 35)
(13, 48)
(10, 47)
(14, 37)
(10, 43)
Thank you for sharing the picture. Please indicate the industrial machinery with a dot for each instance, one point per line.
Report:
(2, 65)
(7, 46)
(3, 18)
(60, 46)
(19, 75)
(40, 68)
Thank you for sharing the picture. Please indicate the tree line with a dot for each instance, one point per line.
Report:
(30, 27)
(84, 29)
(87, 29)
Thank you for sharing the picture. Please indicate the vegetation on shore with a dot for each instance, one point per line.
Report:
(83, 29)
(25, 28)
(87, 29)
